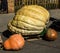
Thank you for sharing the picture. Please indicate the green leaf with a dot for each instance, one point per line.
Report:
(43, 32)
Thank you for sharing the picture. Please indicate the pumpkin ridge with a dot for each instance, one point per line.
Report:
(36, 11)
(27, 29)
(31, 26)
(24, 32)
(39, 8)
(31, 22)
(16, 41)
(28, 16)
(21, 41)
(14, 46)
(32, 15)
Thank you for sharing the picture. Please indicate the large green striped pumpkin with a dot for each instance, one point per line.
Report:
(29, 20)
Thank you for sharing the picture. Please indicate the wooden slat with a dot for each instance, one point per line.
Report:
(49, 4)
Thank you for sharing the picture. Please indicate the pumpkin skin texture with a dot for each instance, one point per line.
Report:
(15, 42)
(7, 45)
(29, 20)
(51, 35)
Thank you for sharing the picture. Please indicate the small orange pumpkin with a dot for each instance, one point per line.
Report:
(15, 42)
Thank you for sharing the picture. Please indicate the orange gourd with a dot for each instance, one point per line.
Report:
(51, 34)
(15, 42)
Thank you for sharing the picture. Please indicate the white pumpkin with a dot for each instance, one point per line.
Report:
(29, 20)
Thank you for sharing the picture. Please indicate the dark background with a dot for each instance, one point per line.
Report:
(48, 4)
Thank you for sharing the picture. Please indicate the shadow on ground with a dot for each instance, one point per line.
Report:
(6, 33)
